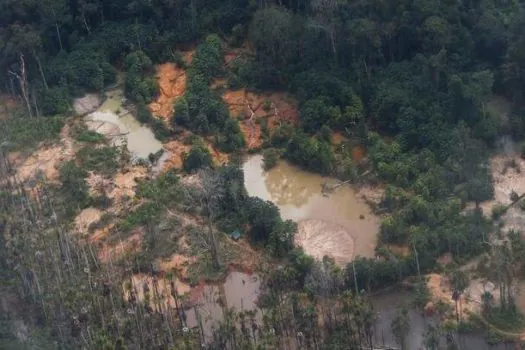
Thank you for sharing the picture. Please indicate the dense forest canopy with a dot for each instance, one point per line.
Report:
(408, 81)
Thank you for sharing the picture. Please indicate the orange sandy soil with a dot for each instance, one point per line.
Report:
(119, 187)
(248, 106)
(177, 263)
(440, 289)
(142, 285)
(177, 149)
(172, 84)
(45, 160)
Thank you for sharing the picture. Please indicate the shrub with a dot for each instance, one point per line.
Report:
(74, 187)
(498, 210)
(89, 136)
(182, 114)
(231, 137)
(198, 157)
(325, 133)
(22, 133)
(267, 105)
(54, 101)
(238, 31)
(102, 160)
(270, 158)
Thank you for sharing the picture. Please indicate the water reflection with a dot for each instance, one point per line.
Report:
(239, 291)
(140, 139)
(298, 195)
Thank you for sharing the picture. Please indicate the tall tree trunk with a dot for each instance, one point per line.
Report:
(58, 31)
(213, 242)
(39, 64)
(22, 81)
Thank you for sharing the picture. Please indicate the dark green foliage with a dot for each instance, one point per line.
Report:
(182, 114)
(101, 160)
(55, 101)
(268, 227)
(231, 138)
(147, 213)
(197, 158)
(85, 69)
(373, 274)
(144, 116)
(206, 111)
(208, 59)
(164, 189)
(85, 135)
(419, 72)
(310, 153)
(270, 158)
(138, 86)
(238, 33)
(314, 113)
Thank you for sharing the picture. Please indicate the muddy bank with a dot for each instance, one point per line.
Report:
(172, 84)
(86, 104)
(252, 109)
(341, 223)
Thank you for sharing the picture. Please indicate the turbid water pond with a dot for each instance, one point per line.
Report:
(113, 120)
(140, 139)
(239, 291)
(339, 224)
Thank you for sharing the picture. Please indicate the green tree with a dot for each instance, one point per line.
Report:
(197, 158)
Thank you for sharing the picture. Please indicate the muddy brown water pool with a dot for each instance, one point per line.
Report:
(121, 126)
(239, 291)
(340, 224)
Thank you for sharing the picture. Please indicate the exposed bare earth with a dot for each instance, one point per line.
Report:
(251, 108)
(46, 159)
(471, 299)
(86, 218)
(172, 83)
(157, 290)
(87, 104)
(319, 238)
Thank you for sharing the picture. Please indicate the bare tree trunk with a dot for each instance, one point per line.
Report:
(417, 258)
(58, 31)
(85, 23)
(22, 81)
(137, 34)
(213, 242)
(33, 95)
(41, 70)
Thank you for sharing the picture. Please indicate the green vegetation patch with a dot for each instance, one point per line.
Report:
(74, 189)
(24, 132)
(102, 160)
(90, 136)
